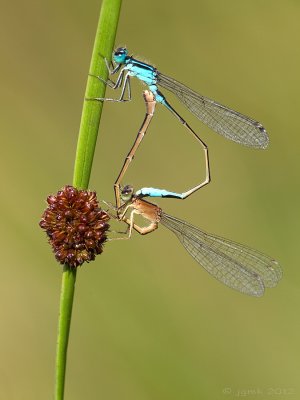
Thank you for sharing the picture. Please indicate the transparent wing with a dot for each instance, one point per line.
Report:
(228, 123)
(233, 264)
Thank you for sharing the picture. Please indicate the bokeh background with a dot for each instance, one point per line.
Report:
(148, 322)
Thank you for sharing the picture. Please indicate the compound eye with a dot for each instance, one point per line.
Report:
(121, 51)
(127, 192)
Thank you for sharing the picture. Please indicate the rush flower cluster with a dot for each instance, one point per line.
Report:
(76, 226)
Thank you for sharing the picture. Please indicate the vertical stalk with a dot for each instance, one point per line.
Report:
(64, 322)
(91, 113)
(89, 125)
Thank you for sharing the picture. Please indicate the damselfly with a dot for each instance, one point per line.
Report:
(229, 123)
(237, 266)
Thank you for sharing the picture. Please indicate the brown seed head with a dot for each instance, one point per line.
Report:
(75, 225)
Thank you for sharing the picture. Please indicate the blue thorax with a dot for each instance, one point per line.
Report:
(144, 72)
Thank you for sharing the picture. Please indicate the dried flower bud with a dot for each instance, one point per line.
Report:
(75, 225)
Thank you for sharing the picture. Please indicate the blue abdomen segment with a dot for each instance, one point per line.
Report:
(153, 192)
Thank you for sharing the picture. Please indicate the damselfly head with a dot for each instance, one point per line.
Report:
(120, 54)
(127, 193)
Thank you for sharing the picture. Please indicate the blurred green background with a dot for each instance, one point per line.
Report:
(148, 323)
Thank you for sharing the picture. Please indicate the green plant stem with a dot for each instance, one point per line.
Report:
(92, 110)
(89, 125)
(65, 313)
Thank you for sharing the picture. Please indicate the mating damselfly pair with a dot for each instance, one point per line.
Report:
(233, 264)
